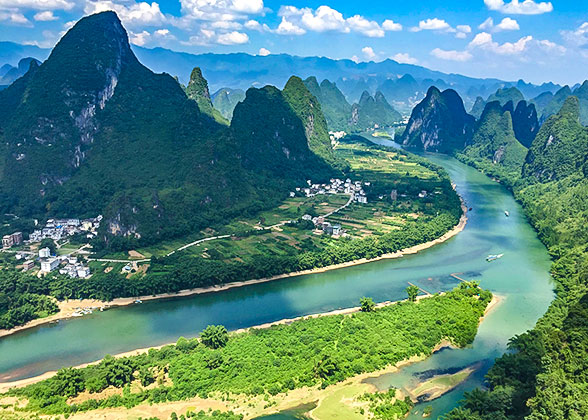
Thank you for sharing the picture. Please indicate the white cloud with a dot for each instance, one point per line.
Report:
(487, 25)
(37, 4)
(254, 25)
(368, 53)
(14, 18)
(433, 24)
(215, 10)
(484, 41)
(323, 19)
(404, 58)
(264, 51)
(451, 55)
(233, 38)
(466, 29)
(226, 24)
(578, 37)
(140, 38)
(45, 16)
(135, 14)
(508, 24)
(516, 7)
(366, 27)
(551, 47)
(390, 25)
(288, 28)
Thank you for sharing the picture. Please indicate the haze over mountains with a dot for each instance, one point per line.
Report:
(403, 85)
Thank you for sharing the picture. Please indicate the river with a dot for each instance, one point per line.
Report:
(521, 278)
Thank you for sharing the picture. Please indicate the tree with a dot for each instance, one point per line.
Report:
(413, 292)
(215, 336)
(48, 243)
(367, 304)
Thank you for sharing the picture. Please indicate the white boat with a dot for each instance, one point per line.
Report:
(506, 213)
(493, 257)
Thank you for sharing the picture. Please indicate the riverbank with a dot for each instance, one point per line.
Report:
(67, 309)
(343, 395)
(5, 386)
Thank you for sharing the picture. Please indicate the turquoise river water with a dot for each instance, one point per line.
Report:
(521, 278)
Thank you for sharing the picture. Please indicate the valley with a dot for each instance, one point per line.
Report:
(218, 242)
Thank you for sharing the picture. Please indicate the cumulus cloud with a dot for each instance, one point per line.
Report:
(451, 55)
(264, 51)
(551, 47)
(390, 25)
(45, 16)
(484, 41)
(434, 24)
(324, 19)
(256, 26)
(577, 37)
(516, 7)
(366, 27)
(37, 4)
(487, 25)
(404, 58)
(368, 53)
(233, 38)
(144, 37)
(131, 14)
(214, 10)
(508, 24)
(14, 18)
(288, 28)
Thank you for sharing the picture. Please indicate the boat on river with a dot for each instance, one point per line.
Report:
(493, 257)
(506, 213)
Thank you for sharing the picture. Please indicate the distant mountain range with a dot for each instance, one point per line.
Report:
(403, 85)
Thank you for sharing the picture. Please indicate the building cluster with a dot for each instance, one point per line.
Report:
(12, 240)
(320, 223)
(68, 265)
(336, 186)
(58, 229)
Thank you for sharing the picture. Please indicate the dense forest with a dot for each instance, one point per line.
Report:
(308, 352)
(543, 376)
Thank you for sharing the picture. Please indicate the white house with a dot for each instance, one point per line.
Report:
(49, 265)
(44, 253)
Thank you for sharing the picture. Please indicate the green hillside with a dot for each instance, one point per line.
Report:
(197, 90)
(371, 111)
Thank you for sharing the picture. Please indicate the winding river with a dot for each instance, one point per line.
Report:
(521, 278)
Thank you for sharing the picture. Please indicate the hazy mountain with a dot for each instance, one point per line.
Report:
(561, 146)
(439, 123)
(478, 107)
(9, 73)
(335, 107)
(226, 99)
(197, 90)
(494, 140)
(371, 111)
(505, 95)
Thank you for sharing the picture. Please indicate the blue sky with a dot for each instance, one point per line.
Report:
(530, 39)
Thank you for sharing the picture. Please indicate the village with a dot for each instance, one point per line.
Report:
(30, 255)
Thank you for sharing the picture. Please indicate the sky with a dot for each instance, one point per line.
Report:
(537, 41)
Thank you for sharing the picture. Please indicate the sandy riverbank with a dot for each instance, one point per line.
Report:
(67, 308)
(5, 386)
(341, 394)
